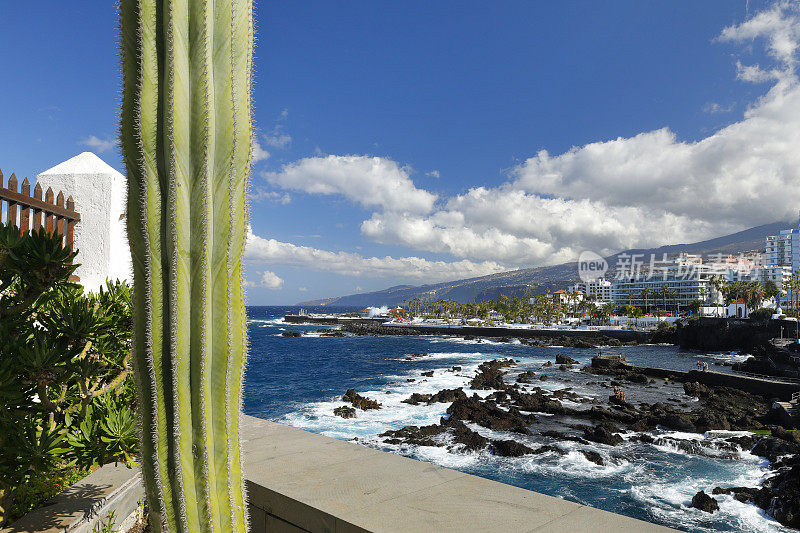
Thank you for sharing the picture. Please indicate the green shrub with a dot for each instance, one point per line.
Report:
(762, 315)
(66, 399)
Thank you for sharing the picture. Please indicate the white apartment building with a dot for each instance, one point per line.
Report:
(599, 288)
(670, 285)
(783, 249)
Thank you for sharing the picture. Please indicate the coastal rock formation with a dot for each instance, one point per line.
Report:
(562, 359)
(593, 456)
(360, 401)
(292, 334)
(443, 396)
(704, 502)
(604, 433)
(425, 435)
(489, 415)
(510, 448)
(345, 412)
(490, 375)
(526, 377)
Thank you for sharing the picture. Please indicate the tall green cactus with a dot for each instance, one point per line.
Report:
(186, 141)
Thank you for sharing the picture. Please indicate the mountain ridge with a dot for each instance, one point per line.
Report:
(540, 279)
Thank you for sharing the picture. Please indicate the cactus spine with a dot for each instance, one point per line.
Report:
(186, 140)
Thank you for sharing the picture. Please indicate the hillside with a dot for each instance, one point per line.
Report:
(536, 280)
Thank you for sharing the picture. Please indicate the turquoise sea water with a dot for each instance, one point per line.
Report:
(299, 381)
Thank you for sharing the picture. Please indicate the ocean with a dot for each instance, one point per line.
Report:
(298, 381)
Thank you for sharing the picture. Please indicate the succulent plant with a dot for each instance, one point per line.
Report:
(186, 142)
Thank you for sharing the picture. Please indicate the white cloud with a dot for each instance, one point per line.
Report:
(369, 181)
(714, 108)
(260, 194)
(779, 25)
(271, 281)
(645, 190)
(259, 154)
(99, 145)
(302, 289)
(433, 174)
(271, 251)
(278, 140)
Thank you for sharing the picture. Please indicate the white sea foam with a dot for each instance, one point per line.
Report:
(664, 496)
(272, 321)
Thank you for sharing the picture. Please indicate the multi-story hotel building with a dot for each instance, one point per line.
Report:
(599, 288)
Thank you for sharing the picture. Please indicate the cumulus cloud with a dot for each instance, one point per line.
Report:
(778, 25)
(259, 154)
(433, 174)
(271, 251)
(645, 190)
(99, 145)
(369, 181)
(270, 280)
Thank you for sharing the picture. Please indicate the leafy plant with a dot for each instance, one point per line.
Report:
(65, 393)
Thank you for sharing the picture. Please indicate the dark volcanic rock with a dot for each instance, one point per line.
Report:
(693, 388)
(593, 457)
(526, 377)
(637, 378)
(603, 433)
(447, 395)
(490, 375)
(562, 359)
(548, 448)
(509, 448)
(771, 448)
(428, 374)
(419, 436)
(463, 435)
(780, 496)
(704, 502)
(563, 436)
(443, 396)
(417, 398)
(359, 401)
(489, 415)
(345, 412)
(292, 334)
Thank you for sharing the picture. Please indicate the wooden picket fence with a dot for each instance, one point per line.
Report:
(31, 212)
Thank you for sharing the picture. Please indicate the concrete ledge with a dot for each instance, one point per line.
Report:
(298, 481)
(76, 510)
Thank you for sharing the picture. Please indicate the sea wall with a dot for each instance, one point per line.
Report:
(499, 332)
(765, 388)
(709, 333)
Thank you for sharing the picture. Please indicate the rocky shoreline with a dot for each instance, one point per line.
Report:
(592, 340)
(520, 409)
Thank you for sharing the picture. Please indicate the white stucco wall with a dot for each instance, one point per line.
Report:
(99, 192)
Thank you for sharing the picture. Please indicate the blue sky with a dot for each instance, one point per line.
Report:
(402, 142)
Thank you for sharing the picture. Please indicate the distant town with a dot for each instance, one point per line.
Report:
(642, 291)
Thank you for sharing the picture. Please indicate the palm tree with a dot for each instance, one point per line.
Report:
(644, 294)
